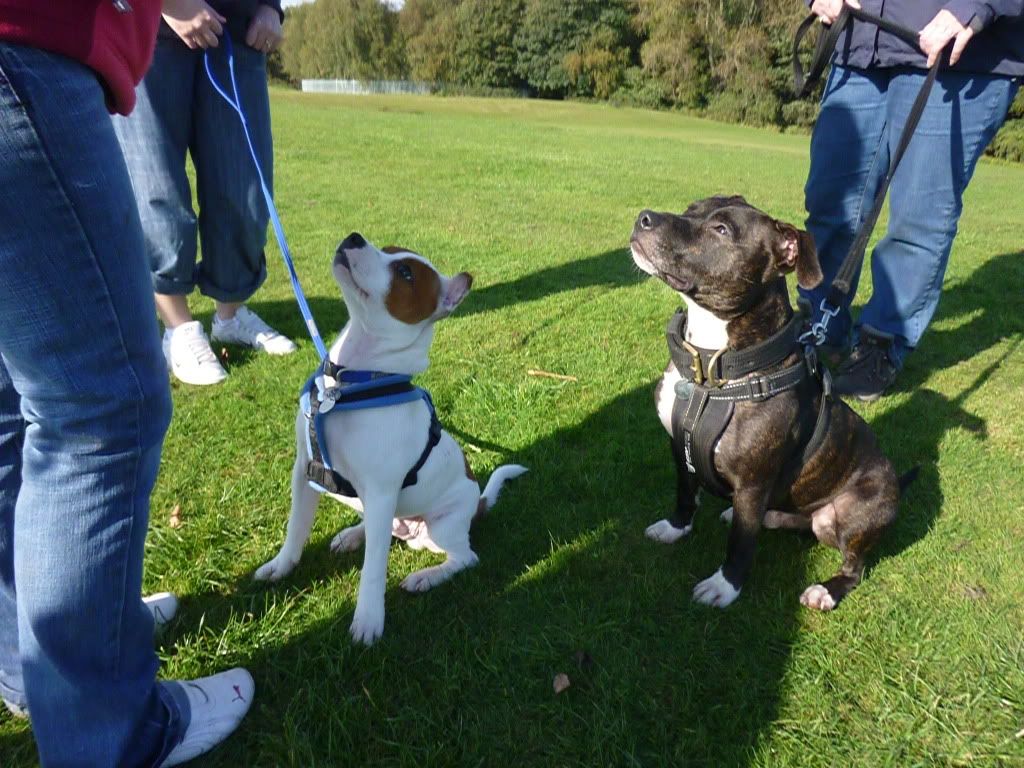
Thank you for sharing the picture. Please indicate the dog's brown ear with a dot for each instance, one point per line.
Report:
(794, 249)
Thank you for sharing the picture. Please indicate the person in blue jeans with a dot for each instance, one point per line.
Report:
(84, 404)
(179, 112)
(868, 96)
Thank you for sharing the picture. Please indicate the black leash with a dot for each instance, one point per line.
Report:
(826, 45)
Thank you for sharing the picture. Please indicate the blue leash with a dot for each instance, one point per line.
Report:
(235, 103)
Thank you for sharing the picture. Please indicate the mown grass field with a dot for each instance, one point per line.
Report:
(922, 666)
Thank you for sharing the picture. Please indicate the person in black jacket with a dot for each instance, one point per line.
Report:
(178, 111)
(874, 79)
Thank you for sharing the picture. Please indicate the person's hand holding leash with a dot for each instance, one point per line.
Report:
(828, 10)
(940, 30)
(264, 32)
(196, 23)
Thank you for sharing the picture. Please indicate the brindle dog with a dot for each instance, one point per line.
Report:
(728, 261)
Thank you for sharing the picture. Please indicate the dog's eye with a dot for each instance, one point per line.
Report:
(720, 229)
(404, 272)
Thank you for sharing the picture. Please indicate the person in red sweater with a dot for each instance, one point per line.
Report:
(84, 403)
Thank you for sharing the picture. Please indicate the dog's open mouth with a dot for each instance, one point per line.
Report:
(681, 284)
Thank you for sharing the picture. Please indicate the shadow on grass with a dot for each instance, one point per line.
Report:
(912, 432)
(610, 269)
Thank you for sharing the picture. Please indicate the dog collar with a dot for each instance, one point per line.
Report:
(715, 368)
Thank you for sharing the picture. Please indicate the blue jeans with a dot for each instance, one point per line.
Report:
(84, 404)
(177, 112)
(862, 114)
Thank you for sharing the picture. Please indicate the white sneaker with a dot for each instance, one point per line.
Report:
(218, 705)
(189, 356)
(21, 713)
(163, 606)
(248, 329)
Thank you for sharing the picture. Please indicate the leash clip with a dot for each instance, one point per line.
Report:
(817, 333)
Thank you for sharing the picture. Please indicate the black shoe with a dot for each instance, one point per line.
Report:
(870, 370)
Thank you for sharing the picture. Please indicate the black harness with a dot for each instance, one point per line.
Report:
(715, 380)
(355, 390)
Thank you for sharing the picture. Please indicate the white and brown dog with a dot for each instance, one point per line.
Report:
(394, 297)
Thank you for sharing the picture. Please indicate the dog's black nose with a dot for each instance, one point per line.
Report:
(354, 241)
(647, 220)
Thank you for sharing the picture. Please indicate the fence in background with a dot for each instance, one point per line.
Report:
(363, 87)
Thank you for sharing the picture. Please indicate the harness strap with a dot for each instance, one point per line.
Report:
(701, 414)
(825, 48)
(700, 364)
(357, 390)
(762, 387)
(824, 420)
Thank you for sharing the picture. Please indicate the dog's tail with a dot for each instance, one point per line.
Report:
(495, 484)
(908, 477)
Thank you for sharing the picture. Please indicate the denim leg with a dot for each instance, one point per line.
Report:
(964, 112)
(78, 338)
(233, 216)
(154, 140)
(12, 437)
(849, 159)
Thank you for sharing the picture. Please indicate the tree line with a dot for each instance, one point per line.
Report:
(726, 59)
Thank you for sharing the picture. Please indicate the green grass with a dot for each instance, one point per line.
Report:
(923, 665)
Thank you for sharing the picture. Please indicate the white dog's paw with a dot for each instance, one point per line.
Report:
(817, 597)
(276, 569)
(715, 591)
(665, 533)
(367, 626)
(428, 578)
(349, 539)
(726, 516)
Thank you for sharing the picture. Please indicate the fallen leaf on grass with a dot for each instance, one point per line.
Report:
(550, 375)
(561, 682)
(975, 591)
(175, 519)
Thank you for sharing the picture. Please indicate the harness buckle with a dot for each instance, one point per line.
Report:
(696, 363)
(705, 375)
(712, 367)
(759, 392)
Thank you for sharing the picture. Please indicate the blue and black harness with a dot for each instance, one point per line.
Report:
(355, 390)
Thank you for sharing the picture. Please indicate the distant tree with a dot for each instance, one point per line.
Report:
(343, 38)
(429, 33)
(485, 52)
(567, 47)
(295, 22)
